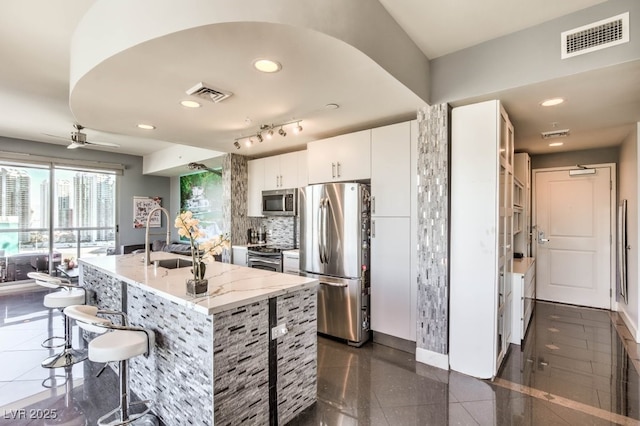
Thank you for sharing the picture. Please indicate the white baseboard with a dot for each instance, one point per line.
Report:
(432, 358)
(630, 325)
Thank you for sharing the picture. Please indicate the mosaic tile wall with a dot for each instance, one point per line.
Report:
(235, 179)
(433, 228)
(283, 230)
(178, 375)
(107, 290)
(241, 363)
(297, 386)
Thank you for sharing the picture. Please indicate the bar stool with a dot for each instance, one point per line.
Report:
(69, 294)
(116, 343)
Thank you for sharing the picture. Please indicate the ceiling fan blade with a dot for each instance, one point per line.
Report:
(74, 145)
(103, 144)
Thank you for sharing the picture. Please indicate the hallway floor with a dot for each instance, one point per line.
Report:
(574, 368)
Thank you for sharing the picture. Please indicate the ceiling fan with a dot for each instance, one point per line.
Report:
(79, 139)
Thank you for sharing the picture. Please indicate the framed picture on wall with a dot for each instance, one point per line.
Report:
(142, 206)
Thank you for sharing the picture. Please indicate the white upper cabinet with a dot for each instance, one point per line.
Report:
(341, 158)
(391, 170)
(281, 171)
(255, 185)
(303, 169)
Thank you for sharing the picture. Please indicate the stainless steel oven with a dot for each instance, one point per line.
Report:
(267, 258)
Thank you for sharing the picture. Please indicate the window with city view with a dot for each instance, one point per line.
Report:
(49, 214)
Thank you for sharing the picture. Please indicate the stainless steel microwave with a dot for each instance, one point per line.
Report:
(279, 202)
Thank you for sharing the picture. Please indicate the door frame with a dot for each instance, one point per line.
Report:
(613, 197)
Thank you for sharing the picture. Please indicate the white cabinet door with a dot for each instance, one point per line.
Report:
(239, 255)
(391, 304)
(341, 158)
(281, 171)
(272, 173)
(319, 160)
(354, 161)
(255, 185)
(289, 170)
(391, 170)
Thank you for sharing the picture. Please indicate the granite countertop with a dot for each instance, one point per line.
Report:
(230, 286)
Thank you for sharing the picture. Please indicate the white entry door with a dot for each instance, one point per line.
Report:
(572, 237)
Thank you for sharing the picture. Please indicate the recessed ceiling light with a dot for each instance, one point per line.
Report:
(267, 65)
(331, 106)
(190, 104)
(146, 126)
(556, 144)
(552, 102)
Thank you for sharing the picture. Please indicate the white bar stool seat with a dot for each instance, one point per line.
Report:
(64, 298)
(69, 294)
(116, 343)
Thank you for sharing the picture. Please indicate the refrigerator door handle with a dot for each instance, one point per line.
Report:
(320, 231)
(327, 243)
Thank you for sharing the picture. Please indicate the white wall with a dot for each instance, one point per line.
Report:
(628, 189)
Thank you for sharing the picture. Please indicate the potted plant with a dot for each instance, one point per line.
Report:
(188, 227)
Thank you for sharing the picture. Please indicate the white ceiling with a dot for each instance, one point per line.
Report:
(145, 83)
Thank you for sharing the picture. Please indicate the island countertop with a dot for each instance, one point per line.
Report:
(230, 286)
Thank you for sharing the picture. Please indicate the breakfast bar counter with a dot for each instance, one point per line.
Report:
(243, 353)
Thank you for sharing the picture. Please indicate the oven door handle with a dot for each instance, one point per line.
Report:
(263, 260)
(341, 285)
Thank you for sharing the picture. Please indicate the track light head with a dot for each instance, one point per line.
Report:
(270, 134)
(281, 132)
(259, 136)
(236, 144)
(298, 128)
(248, 142)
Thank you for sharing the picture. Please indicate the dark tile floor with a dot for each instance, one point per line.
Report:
(573, 368)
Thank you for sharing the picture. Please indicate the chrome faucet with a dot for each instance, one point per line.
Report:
(147, 247)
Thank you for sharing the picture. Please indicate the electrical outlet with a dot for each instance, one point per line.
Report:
(278, 331)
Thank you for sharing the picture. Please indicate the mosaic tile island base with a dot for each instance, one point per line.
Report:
(214, 360)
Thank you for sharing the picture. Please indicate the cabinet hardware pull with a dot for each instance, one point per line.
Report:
(373, 204)
(333, 170)
(373, 228)
(338, 169)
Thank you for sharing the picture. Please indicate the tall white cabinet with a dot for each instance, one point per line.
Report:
(393, 293)
(481, 238)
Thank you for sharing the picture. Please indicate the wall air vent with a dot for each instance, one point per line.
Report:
(595, 36)
(555, 134)
(208, 93)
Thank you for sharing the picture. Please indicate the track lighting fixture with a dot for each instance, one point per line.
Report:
(267, 131)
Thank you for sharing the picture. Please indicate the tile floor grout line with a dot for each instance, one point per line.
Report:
(565, 402)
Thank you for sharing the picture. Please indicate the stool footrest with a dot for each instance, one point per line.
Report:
(102, 421)
(47, 344)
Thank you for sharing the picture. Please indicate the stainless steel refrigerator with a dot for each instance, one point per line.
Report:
(334, 248)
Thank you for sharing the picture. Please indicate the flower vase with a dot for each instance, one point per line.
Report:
(197, 287)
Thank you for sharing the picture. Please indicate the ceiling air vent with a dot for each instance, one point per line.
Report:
(598, 35)
(555, 134)
(204, 91)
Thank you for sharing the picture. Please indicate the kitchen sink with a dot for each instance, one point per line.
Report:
(173, 263)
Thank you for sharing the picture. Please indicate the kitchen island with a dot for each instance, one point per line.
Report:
(215, 359)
